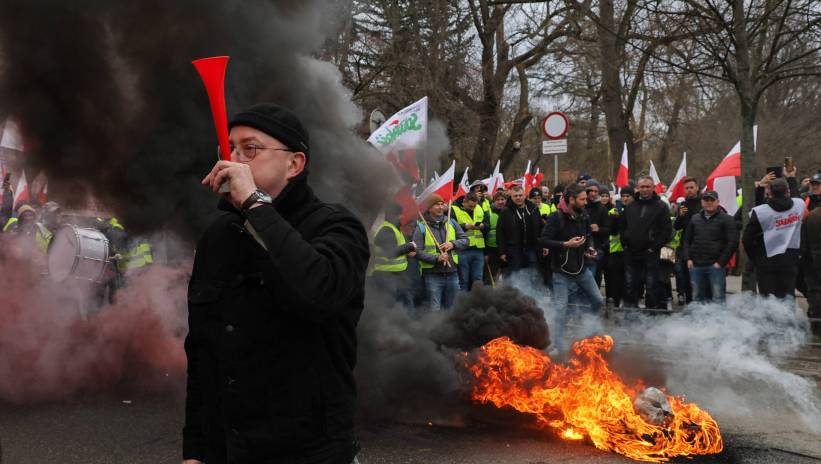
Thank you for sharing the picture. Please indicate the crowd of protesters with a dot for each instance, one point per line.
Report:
(633, 241)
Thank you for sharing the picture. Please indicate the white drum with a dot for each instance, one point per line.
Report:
(78, 253)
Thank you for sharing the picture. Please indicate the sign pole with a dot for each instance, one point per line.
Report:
(555, 170)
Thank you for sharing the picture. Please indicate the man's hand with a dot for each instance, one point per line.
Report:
(545, 251)
(690, 264)
(790, 172)
(574, 242)
(443, 257)
(767, 178)
(412, 254)
(445, 247)
(503, 258)
(469, 227)
(240, 177)
(594, 227)
(682, 211)
(717, 266)
(192, 461)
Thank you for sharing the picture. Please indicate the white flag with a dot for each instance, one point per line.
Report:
(404, 130)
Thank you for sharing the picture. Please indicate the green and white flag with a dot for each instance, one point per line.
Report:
(407, 129)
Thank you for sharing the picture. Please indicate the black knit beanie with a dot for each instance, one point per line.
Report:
(275, 120)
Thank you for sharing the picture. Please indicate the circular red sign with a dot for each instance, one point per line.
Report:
(555, 125)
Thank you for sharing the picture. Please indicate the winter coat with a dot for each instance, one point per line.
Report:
(710, 240)
(645, 225)
(439, 229)
(753, 240)
(272, 333)
(693, 206)
(518, 229)
(597, 213)
(811, 239)
(561, 226)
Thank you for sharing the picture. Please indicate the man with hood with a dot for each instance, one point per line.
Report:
(569, 237)
(644, 227)
(772, 240)
(439, 239)
(518, 231)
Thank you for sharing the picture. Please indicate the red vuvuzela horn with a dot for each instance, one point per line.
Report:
(212, 72)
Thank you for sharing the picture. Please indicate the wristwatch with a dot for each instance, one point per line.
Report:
(257, 197)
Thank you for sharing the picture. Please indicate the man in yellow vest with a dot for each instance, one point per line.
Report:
(390, 263)
(480, 189)
(491, 247)
(438, 259)
(545, 208)
(471, 217)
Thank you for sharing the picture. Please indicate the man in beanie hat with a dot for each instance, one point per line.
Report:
(439, 238)
(275, 294)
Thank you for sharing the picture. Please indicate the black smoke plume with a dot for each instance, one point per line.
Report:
(111, 107)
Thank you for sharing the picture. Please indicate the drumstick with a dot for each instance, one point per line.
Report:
(438, 246)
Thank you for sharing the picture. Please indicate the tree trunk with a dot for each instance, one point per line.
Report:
(672, 127)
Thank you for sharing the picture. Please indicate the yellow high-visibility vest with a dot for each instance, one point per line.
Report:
(382, 262)
(430, 243)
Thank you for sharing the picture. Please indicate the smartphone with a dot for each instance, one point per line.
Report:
(788, 163)
(778, 170)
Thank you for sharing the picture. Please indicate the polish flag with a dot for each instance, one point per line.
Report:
(722, 179)
(442, 186)
(492, 181)
(42, 197)
(660, 188)
(622, 179)
(21, 193)
(676, 189)
(464, 186)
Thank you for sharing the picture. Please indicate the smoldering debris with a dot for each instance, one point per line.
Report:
(487, 313)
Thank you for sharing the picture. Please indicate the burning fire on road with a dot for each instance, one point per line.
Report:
(585, 399)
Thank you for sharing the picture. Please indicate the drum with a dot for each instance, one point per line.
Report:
(78, 253)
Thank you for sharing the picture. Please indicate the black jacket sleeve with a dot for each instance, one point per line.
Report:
(551, 237)
(752, 237)
(501, 231)
(792, 182)
(386, 240)
(730, 240)
(193, 441)
(320, 273)
(664, 229)
(686, 242)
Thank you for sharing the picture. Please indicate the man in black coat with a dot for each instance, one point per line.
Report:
(600, 225)
(645, 227)
(518, 232)
(274, 299)
(686, 211)
(709, 242)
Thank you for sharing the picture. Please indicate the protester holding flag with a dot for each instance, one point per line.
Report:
(440, 238)
(470, 216)
(645, 227)
(518, 231)
(772, 240)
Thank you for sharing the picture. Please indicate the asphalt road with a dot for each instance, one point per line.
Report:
(146, 431)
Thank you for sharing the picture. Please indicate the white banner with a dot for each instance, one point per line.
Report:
(404, 130)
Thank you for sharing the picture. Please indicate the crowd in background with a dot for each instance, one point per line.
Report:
(578, 237)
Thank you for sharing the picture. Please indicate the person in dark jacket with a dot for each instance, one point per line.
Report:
(599, 224)
(811, 261)
(813, 199)
(517, 233)
(772, 240)
(275, 295)
(709, 242)
(644, 227)
(439, 240)
(570, 239)
(689, 208)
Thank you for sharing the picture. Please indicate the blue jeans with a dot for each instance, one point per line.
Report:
(471, 267)
(704, 277)
(442, 288)
(585, 284)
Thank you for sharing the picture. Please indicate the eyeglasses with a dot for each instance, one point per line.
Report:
(246, 152)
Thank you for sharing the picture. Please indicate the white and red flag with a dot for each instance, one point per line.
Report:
(464, 187)
(401, 135)
(492, 182)
(622, 177)
(722, 179)
(442, 186)
(676, 189)
(21, 193)
(660, 188)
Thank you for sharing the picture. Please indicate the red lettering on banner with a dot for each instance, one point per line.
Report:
(786, 221)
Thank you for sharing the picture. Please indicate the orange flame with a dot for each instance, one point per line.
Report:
(586, 399)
